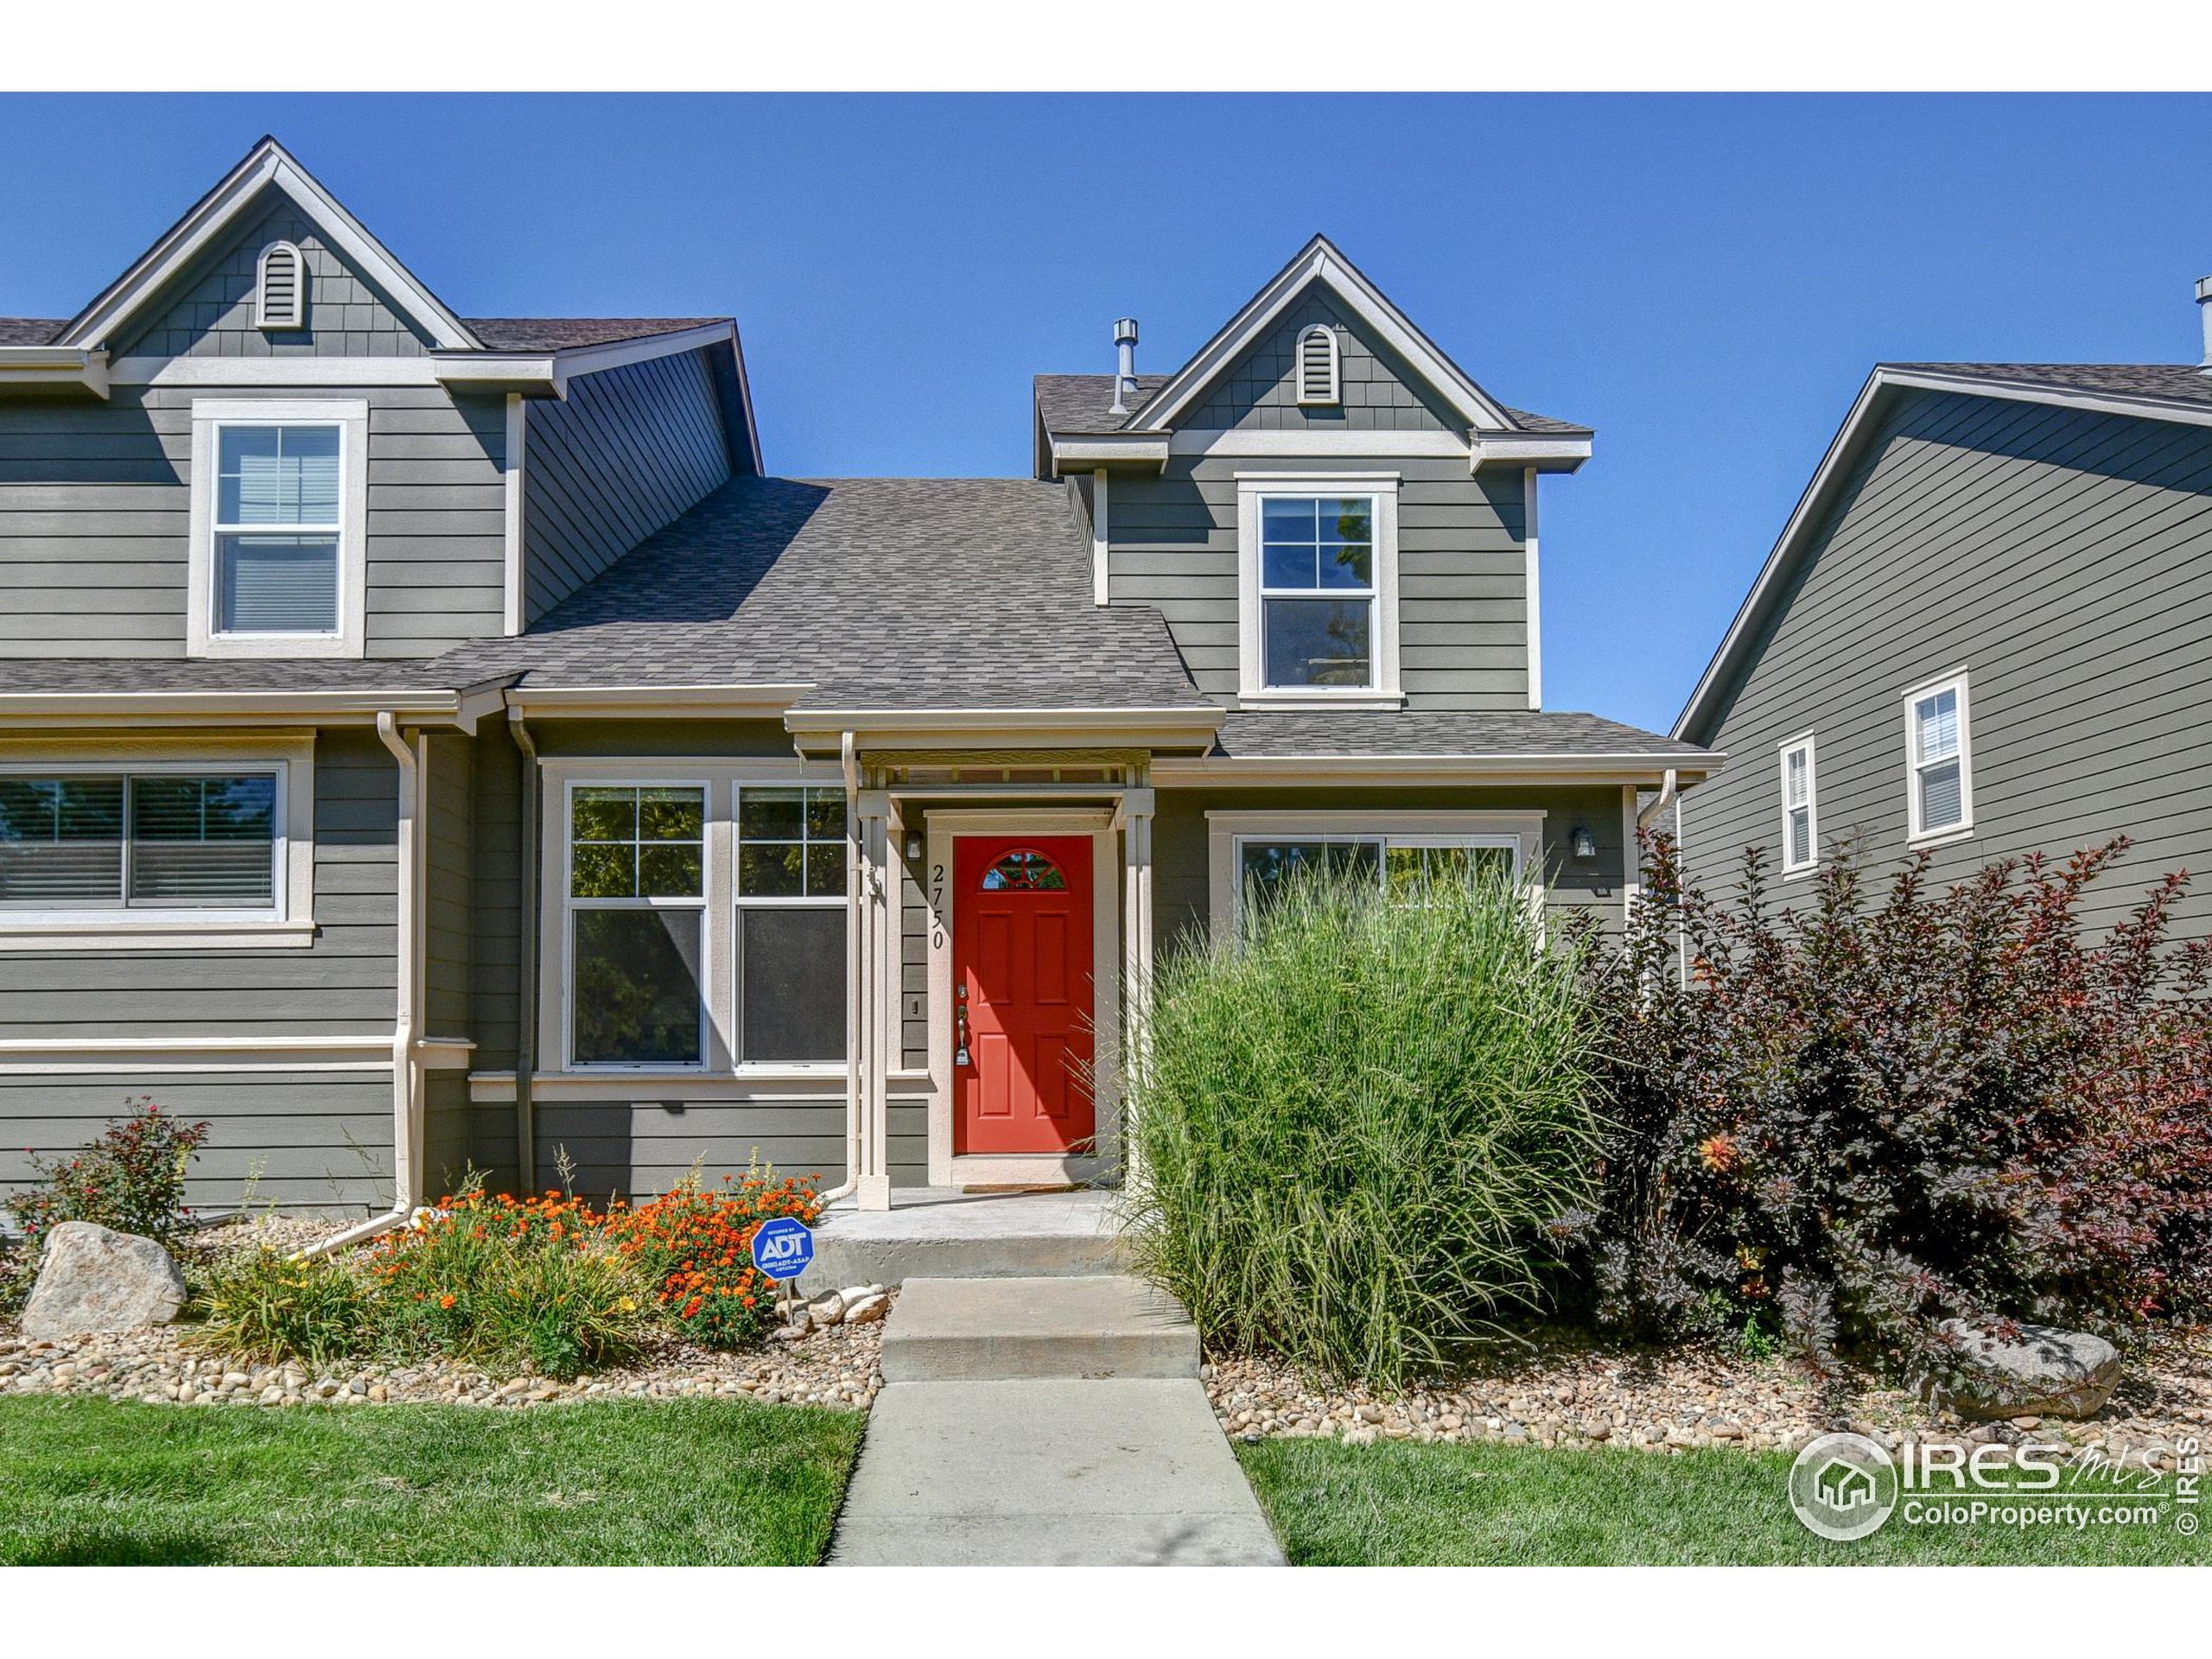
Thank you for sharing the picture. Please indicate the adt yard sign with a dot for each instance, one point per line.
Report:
(783, 1248)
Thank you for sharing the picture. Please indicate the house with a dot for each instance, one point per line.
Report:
(428, 742)
(1982, 634)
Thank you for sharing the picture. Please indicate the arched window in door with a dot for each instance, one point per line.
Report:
(1024, 871)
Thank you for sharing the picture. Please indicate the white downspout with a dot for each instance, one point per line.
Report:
(404, 1115)
(1660, 802)
(849, 753)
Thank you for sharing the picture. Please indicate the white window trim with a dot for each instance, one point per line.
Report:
(262, 317)
(1254, 691)
(722, 778)
(1812, 860)
(287, 923)
(1916, 834)
(351, 416)
(1334, 395)
(1520, 832)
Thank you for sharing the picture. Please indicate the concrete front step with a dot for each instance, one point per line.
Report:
(935, 1233)
(1000, 1329)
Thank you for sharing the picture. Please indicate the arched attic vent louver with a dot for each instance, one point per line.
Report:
(1317, 365)
(280, 287)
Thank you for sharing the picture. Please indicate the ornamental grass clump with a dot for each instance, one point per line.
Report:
(1354, 1123)
(262, 1305)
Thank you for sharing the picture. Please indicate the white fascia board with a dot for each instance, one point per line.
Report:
(765, 702)
(1782, 560)
(1086, 455)
(52, 366)
(547, 373)
(1315, 441)
(1551, 452)
(212, 217)
(1430, 768)
(1319, 260)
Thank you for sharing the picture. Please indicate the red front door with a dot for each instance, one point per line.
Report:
(1022, 988)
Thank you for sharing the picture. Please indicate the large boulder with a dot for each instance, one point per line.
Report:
(2043, 1372)
(91, 1280)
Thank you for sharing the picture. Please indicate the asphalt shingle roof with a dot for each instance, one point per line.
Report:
(566, 334)
(1442, 733)
(29, 331)
(1085, 403)
(2168, 381)
(879, 592)
(97, 674)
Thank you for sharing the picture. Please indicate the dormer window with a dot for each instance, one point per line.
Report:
(280, 287)
(1317, 367)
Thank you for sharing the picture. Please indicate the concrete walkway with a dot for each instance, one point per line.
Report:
(1034, 1426)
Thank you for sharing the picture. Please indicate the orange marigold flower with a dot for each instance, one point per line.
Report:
(1719, 1153)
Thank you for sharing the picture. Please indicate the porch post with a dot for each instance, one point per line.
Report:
(1136, 816)
(870, 1063)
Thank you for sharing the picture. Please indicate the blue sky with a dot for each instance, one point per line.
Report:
(1704, 280)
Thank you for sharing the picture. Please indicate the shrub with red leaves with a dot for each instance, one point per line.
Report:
(1860, 1119)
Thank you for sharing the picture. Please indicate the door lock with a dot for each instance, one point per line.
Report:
(960, 1030)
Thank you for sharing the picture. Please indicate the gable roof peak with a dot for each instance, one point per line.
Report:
(266, 164)
(1321, 261)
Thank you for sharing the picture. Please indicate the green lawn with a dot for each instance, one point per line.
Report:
(1395, 1504)
(722, 1483)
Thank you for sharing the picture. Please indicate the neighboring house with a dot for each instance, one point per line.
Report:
(427, 741)
(1983, 633)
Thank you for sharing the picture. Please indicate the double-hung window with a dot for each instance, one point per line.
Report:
(1319, 591)
(279, 527)
(704, 921)
(636, 925)
(1939, 778)
(791, 924)
(1800, 829)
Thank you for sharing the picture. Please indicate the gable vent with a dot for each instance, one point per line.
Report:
(280, 298)
(1317, 365)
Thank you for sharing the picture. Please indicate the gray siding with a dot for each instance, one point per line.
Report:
(1463, 613)
(627, 451)
(2064, 559)
(95, 507)
(319, 1139)
(640, 1148)
(341, 985)
(1380, 391)
(310, 1141)
(211, 314)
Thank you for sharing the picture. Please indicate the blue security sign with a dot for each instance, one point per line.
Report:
(783, 1248)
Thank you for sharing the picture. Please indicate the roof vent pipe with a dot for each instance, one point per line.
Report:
(1125, 375)
(2204, 306)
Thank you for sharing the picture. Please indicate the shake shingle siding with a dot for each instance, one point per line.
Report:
(2064, 559)
(213, 312)
(629, 449)
(1380, 393)
(95, 517)
(1462, 569)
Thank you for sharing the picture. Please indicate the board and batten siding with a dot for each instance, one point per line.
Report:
(2064, 559)
(95, 506)
(1463, 600)
(318, 1138)
(628, 450)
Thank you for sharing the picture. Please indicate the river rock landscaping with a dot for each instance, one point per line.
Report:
(1570, 1391)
